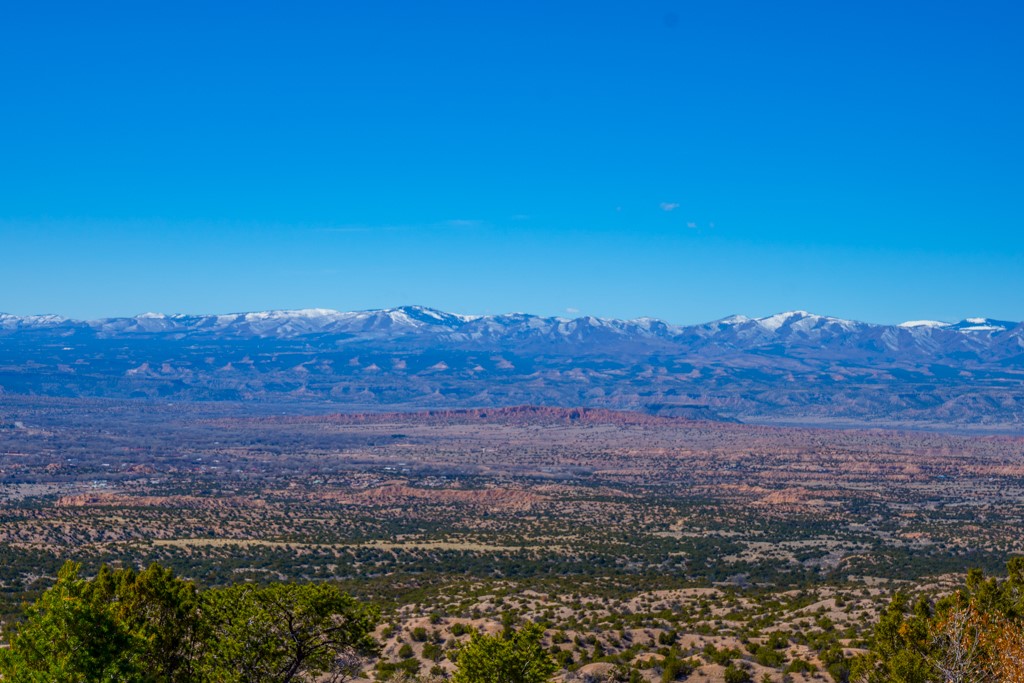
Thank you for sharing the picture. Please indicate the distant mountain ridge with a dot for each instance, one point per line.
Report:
(789, 366)
(290, 323)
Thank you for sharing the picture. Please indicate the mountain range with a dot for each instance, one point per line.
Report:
(791, 367)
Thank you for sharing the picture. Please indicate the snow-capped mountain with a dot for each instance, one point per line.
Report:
(792, 365)
(423, 320)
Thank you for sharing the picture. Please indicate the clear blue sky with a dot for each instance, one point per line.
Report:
(685, 160)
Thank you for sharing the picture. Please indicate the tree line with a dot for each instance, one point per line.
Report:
(150, 626)
(974, 635)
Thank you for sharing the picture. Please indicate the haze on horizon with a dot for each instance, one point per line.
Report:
(679, 160)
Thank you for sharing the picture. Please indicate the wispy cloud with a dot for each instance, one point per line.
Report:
(691, 224)
(669, 206)
(572, 311)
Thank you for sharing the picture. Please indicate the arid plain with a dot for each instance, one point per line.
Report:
(626, 534)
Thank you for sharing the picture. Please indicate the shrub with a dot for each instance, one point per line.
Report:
(737, 675)
(513, 657)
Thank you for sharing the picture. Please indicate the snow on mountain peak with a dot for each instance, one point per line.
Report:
(774, 322)
(417, 320)
(281, 314)
(9, 321)
(923, 323)
(734, 320)
(306, 313)
(802, 320)
(983, 325)
(422, 310)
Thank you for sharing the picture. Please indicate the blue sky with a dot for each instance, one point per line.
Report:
(684, 160)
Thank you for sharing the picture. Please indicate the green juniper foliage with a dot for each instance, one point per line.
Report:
(975, 634)
(152, 627)
(515, 656)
